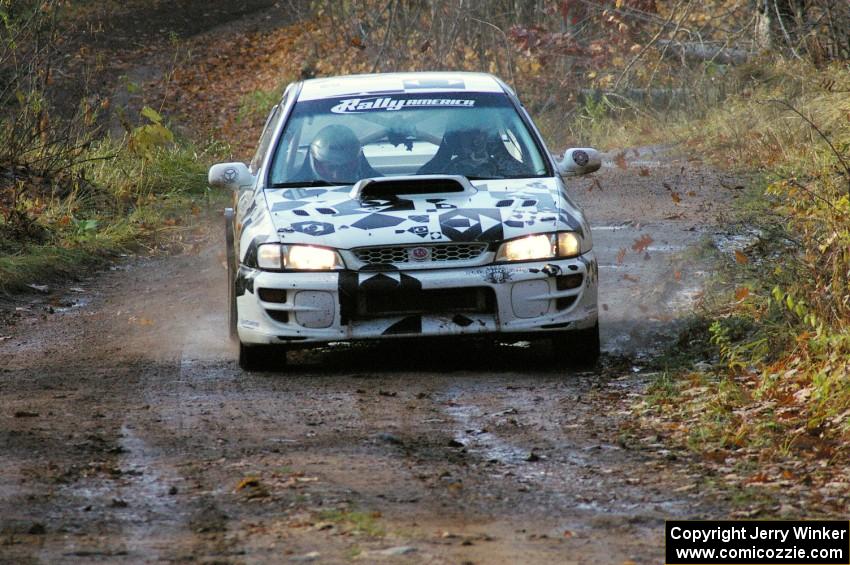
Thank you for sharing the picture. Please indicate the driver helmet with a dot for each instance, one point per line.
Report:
(472, 134)
(335, 152)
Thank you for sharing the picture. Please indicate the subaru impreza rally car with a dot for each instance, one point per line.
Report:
(405, 205)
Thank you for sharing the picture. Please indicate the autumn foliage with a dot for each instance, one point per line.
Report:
(773, 382)
(756, 88)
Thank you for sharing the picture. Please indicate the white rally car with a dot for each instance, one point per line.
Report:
(403, 205)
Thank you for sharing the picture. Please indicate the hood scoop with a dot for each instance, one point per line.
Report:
(390, 188)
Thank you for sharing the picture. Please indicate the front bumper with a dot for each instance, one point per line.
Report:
(303, 309)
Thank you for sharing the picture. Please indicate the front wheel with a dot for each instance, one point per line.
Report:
(580, 348)
(261, 358)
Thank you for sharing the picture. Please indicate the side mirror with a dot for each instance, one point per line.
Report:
(579, 161)
(234, 176)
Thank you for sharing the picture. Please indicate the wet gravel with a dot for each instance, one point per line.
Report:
(129, 434)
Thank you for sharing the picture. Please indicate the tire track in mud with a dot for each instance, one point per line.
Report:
(532, 443)
(146, 498)
(166, 521)
(434, 442)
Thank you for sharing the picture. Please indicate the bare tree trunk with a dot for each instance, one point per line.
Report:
(780, 24)
(838, 23)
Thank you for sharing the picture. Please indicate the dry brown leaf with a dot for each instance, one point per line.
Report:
(642, 243)
(740, 258)
(620, 160)
(741, 293)
(248, 482)
(621, 255)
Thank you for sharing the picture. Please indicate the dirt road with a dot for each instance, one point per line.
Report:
(129, 434)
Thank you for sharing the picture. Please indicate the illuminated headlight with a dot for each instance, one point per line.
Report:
(298, 258)
(270, 256)
(541, 246)
(569, 244)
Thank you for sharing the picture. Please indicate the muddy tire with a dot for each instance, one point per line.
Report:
(261, 358)
(577, 348)
(230, 246)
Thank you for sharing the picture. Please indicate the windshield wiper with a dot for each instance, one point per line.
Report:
(485, 178)
(306, 184)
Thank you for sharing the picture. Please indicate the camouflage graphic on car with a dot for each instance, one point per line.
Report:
(498, 210)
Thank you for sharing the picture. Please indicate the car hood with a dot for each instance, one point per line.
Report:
(495, 211)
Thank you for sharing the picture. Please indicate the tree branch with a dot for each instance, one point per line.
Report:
(823, 135)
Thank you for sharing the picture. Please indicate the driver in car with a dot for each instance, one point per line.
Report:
(336, 156)
(473, 149)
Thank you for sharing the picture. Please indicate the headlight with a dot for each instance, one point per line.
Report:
(298, 257)
(569, 244)
(309, 258)
(541, 246)
(270, 256)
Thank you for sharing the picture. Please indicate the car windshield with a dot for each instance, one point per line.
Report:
(342, 140)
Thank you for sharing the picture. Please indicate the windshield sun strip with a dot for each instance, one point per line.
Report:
(512, 103)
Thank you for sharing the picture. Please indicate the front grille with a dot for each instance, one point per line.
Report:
(401, 254)
(431, 301)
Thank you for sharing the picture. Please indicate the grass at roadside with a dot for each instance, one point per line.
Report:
(763, 373)
(255, 105)
(70, 196)
(135, 195)
(355, 521)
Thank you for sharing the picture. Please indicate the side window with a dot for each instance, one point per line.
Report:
(265, 138)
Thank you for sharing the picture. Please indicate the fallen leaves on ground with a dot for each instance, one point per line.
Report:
(621, 255)
(642, 243)
(248, 482)
(787, 482)
(620, 160)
